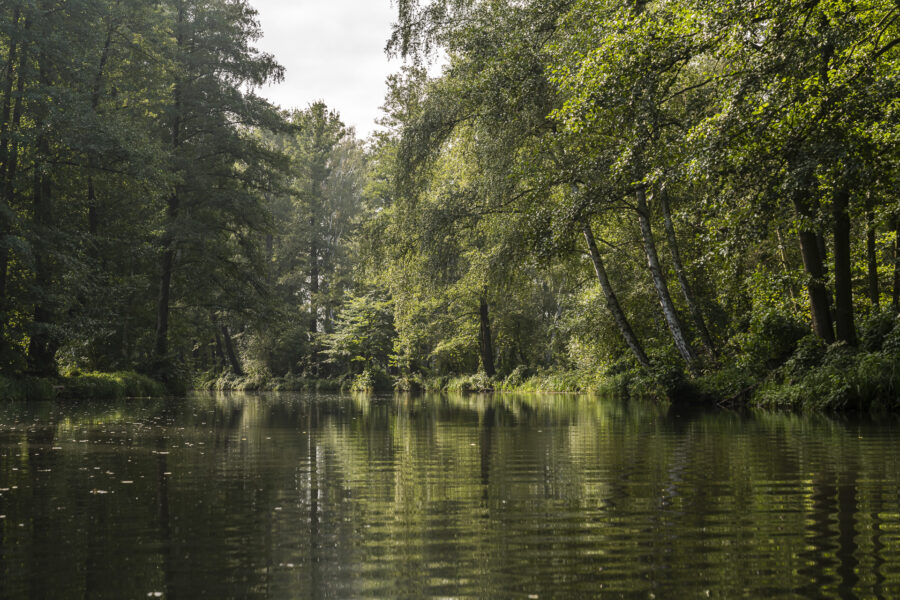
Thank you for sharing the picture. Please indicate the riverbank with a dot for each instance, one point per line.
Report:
(80, 385)
(835, 378)
(806, 375)
(229, 382)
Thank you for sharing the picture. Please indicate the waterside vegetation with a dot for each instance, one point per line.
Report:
(678, 199)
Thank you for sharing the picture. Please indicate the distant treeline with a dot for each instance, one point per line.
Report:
(675, 196)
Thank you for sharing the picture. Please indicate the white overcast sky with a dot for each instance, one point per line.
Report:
(332, 50)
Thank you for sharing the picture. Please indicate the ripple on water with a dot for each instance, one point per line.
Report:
(298, 496)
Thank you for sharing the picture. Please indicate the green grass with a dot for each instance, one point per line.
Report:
(848, 382)
(26, 388)
(120, 384)
(80, 385)
(249, 383)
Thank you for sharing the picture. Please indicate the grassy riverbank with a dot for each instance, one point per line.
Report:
(229, 382)
(80, 385)
(804, 375)
(774, 366)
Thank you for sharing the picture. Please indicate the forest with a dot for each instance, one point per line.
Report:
(678, 199)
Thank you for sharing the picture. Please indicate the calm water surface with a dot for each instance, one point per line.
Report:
(306, 496)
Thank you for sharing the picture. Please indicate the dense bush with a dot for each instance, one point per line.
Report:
(840, 377)
(26, 388)
(123, 384)
(770, 339)
(372, 380)
(290, 383)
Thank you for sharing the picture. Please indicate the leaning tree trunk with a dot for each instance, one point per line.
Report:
(681, 273)
(219, 351)
(232, 355)
(485, 343)
(818, 294)
(612, 301)
(662, 289)
(814, 266)
(843, 277)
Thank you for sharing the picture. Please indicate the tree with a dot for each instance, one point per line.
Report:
(219, 167)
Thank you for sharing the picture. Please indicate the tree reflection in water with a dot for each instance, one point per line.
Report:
(305, 496)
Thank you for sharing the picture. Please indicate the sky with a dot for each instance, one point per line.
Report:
(332, 50)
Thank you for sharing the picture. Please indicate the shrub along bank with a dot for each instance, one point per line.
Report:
(775, 365)
(81, 385)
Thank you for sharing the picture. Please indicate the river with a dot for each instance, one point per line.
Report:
(335, 496)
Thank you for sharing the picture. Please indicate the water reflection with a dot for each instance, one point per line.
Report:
(290, 496)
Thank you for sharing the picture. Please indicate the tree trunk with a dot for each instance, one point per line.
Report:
(815, 272)
(662, 289)
(872, 260)
(823, 254)
(229, 351)
(42, 345)
(843, 276)
(485, 343)
(612, 302)
(10, 168)
(895, 299)
(7, 92)
(93, 218)
(166, 268)
(681, 273)
(167, 258)
(313, 280)
(818, 294)
(219, 351)
(786, 267)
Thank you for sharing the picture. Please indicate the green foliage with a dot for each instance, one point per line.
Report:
(839, 377)
(847, 381)
(411, 383)
(876, 330)
(26, 388)
(223, 382)
(363, 334)
(157, 215)
(372, 380)
(727, 385)
(477, 383)
(123, 384)
(810, 354)
(770, 339)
